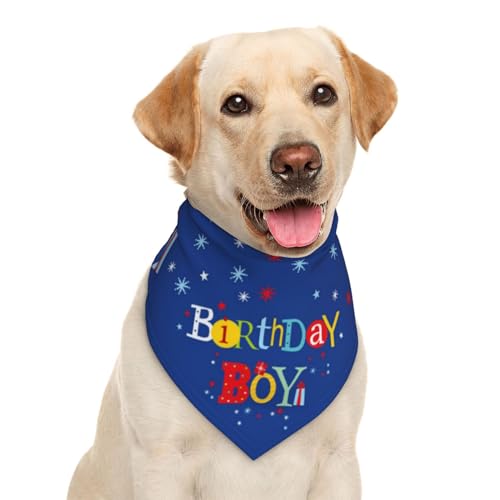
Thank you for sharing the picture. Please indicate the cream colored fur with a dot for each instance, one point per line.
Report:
(151, 443)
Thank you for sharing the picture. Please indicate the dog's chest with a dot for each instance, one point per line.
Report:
(218, 469)
(169, 436)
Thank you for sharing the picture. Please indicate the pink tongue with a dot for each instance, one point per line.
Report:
(295, 226)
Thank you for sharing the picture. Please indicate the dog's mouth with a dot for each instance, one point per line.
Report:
(297, 223)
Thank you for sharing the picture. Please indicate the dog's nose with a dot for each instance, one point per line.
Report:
(296, 163)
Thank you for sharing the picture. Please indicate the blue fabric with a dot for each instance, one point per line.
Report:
(260, 345)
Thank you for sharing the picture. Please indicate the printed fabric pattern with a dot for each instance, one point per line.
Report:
(259, 344)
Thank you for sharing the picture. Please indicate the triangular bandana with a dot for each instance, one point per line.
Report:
(260, 345)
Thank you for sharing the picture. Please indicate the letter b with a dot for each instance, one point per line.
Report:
(234, 385)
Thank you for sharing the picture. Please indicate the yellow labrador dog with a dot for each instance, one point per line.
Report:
(243, 116)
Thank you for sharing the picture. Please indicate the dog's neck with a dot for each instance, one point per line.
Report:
(226, 219)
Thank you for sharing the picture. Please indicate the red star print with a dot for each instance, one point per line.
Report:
(216, 353)
(267, 293)
(309, 359)
(221, 306)
(323, 354)
(273, 258)
(348, 297)
(187, 313)
(258, 415)
(260, 368)
(279, 411)
(211, 383)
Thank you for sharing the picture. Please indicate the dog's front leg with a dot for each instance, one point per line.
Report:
(162, 429)
(162, 477)
(338, 475)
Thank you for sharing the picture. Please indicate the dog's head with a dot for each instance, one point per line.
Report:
(262, 128)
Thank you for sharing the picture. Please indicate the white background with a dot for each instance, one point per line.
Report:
(86, 203)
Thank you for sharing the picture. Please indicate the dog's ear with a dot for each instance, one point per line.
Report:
(373, 94)
(169, 116)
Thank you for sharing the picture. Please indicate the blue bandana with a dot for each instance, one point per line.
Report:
(260, 345)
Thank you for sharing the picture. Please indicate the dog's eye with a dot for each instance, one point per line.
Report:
(324, 95)
(235, 105)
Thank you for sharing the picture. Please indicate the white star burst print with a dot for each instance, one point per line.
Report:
(316, 294)
(243, 296)
(204, 276)
(179, 326)
(299, 265)
(181, 286)
(238, 274)
(333, 252)
(238, 243)
(171, 266)
(335, 295)
(201, 242)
